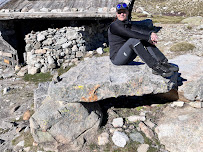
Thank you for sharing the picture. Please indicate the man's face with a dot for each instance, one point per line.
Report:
(122, 14)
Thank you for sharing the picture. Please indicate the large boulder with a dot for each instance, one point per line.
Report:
(193, 91)
(180, 129)
(62, 126)
(97, 79)
(191, 69)
(66, 114)
(196, 20)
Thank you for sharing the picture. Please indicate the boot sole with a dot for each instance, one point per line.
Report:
(165, 75)
(172, 67)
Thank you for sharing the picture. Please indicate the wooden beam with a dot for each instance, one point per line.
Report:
(58, 15)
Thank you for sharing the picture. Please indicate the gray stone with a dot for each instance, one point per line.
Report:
(44, 69)
(195, 20)
(180, 129)
(146, 130)
(177, 104)
(74, 48)
(120, 139)
(58, 122)
(32, 10)
(66, 9)
(117, 122)
(150, 124)
(137, 137)
(27, 149)
(40, 94)
(68, 51)
(200, 27)
(135, 118)
(32, 70)
(37, 45)
(74, 42)
(38, 65)
(8, 73)
(1, 71)
(22, 71)
(44, 10)
(21, 144)
(6, 90)
(56, 10)
(29, 58)
(194, 90)
(28, 47)
(143, 148)
(79, 54)
(50, 60)
(97, 79)
(72, 56)
(24, 9)
(103, 138)
(61, 41)
(62, 54)
(74, 9)
(40, 37)
(57, 47)
(27, 129)
(66, 45)
(82, 48)
(196, 104)
(100, 50)
(47, 42)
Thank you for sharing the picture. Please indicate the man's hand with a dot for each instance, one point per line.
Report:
(154, 38)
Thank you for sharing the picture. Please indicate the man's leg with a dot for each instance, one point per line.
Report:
(135, 47)
(159, 56)
(128, 52)
(154, 51)
(125, 55)
(143, 53)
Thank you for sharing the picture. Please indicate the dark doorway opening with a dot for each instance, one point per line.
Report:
(23, 27)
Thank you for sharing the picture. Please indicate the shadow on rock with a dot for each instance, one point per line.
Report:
(136, 101)
(180, 80)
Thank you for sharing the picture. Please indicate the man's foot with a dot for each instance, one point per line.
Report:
(169, 66)
(159, 69)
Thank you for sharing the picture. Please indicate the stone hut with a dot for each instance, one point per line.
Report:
(21, 19)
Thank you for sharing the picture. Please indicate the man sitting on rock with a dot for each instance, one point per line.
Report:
(126, 43)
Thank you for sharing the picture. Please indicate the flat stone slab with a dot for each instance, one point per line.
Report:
(97, 78)
(181, 129)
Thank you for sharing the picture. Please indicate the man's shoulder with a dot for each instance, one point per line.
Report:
(116, 23)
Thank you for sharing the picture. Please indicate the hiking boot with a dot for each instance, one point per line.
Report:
(159, 69)
(169, 66)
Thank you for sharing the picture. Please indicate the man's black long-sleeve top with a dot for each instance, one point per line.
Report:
(120, 31)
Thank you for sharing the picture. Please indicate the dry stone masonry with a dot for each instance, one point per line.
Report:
(48, 49)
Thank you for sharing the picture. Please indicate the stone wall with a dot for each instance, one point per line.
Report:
(51, 48)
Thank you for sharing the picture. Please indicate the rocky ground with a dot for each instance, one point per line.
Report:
(133, 123)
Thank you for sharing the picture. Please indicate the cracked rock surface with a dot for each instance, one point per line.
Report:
(68, 124)
(97, 79)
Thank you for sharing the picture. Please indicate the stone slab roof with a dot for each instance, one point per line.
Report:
(64, 9)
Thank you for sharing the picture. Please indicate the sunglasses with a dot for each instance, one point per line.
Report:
(122, 11)
(120, 6)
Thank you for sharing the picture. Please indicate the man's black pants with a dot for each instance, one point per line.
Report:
(149, 53)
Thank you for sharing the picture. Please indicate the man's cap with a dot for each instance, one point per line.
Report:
(121, 6)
